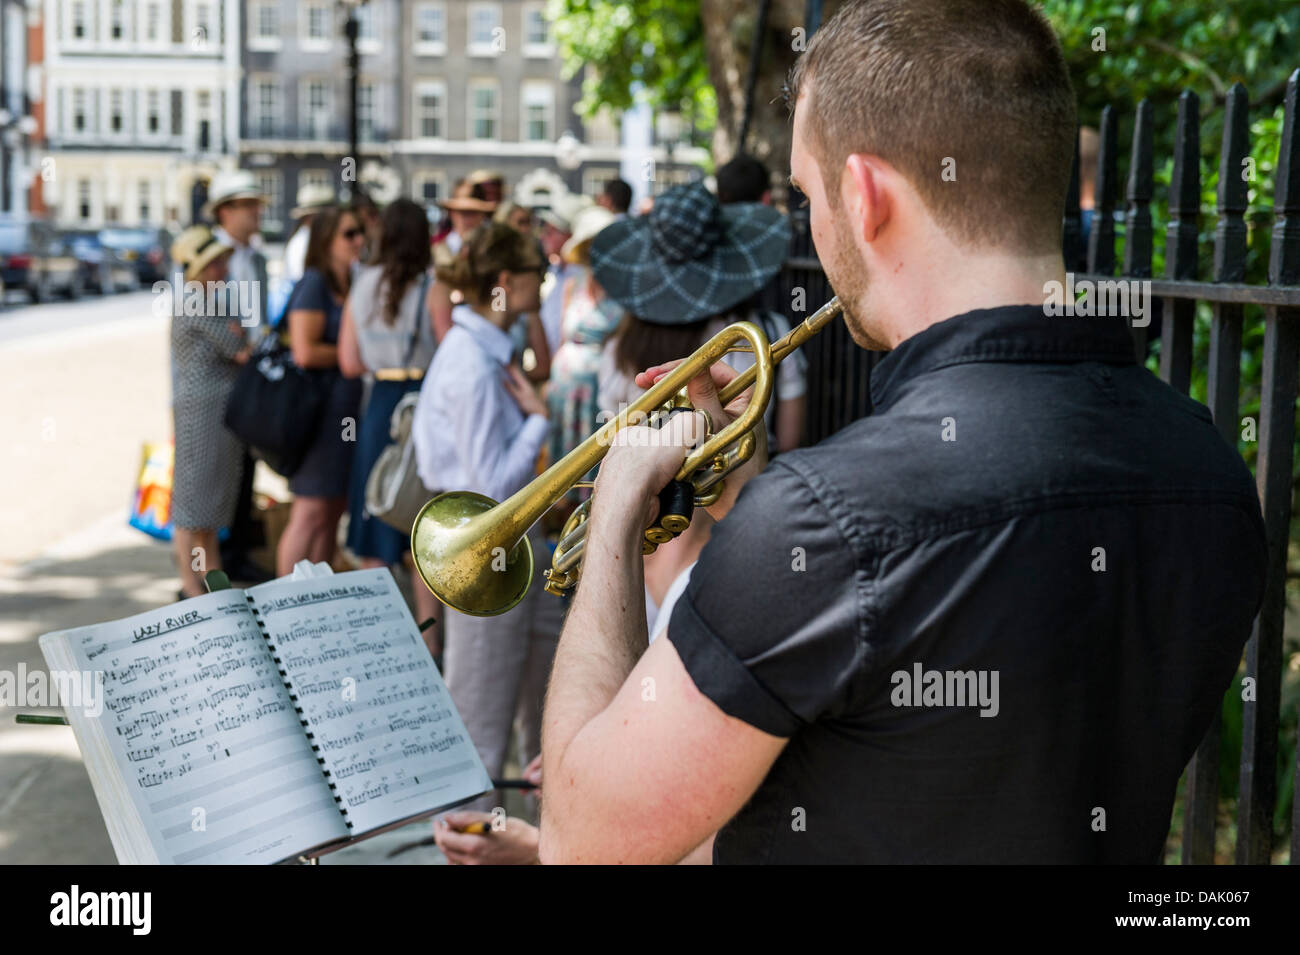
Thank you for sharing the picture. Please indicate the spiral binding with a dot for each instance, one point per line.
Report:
(294, 699)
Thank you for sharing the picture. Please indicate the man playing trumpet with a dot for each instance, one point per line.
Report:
(988, 623)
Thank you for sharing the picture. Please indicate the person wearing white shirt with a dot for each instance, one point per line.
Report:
(479, 426)
(312, 199)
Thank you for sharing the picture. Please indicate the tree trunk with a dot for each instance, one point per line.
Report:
(728, 37)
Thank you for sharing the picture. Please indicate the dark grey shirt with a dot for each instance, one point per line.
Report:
(994, 618)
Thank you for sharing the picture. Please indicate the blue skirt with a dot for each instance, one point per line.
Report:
(368, 536)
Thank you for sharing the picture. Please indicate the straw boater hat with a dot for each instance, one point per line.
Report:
(690, 257)
(195, 249)
(490, 183)
(312, 198)
(229, 186)
(467, 204)
(587, 224)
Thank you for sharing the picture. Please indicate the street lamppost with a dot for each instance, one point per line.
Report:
(351, 30)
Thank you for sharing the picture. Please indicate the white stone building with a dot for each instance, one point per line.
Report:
(142, 99)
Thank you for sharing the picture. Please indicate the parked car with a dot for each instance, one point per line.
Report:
(146, 250)
(35, 260)
(103, 269)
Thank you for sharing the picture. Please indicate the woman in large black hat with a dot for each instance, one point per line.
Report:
(684, 272)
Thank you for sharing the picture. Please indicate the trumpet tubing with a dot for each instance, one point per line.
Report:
(473, 553)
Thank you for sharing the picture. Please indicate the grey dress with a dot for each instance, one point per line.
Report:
(209, 459)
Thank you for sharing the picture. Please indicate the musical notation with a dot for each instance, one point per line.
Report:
(199, 717)
(379, 713)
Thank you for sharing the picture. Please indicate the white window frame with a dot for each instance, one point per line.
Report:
(164, 114)
(87, 113)
(92, 212)
(369, 45)
(305, 112)
(422, 176)
(259, 41)
(540, 50)
(270, 183)
(256, 113)
(125, 8)
(87, 38)
(420, 89)
(163, 39)
(530, 90)
(306, 41)
(124, 130)
(212, 40)
(472, 116)
(476, 47)
(367, 113)
(145, 193)
(200, 111)
(429, 47)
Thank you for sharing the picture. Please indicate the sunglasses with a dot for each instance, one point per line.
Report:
(351, 234)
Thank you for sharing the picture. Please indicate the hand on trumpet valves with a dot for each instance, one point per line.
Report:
(641, 460)
(703, 392)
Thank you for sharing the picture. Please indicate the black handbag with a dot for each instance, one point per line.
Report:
(275, 406)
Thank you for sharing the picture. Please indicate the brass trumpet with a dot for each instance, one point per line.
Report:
(473, 553)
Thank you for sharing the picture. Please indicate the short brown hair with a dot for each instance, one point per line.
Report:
(492, 248)
(930, 85)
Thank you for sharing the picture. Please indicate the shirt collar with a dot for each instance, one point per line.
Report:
(491, 339)
(1012, 333)
(225, 237)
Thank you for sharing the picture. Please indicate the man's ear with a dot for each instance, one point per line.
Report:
(863, 195)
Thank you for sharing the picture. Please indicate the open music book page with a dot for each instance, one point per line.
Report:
(196, 753)
(375, 707)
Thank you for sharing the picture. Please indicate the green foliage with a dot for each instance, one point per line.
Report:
(654, 46)
(1156, 48)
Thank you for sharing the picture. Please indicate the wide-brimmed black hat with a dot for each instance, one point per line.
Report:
(690, 257)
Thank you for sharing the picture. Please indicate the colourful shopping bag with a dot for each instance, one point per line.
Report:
(151, 509)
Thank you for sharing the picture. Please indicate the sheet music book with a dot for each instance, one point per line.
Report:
(256, 726)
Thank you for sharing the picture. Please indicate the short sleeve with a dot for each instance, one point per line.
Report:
(769, 626)
(311, 294)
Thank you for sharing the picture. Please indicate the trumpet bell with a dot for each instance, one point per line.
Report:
(449, 536)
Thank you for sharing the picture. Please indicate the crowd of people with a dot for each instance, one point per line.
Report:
(516, 331)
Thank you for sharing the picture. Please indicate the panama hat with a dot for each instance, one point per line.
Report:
(195, 248)
(312, 198)
(229, 186)
(690, 257)
(564, 210)
(587, 224)
(467, 204)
